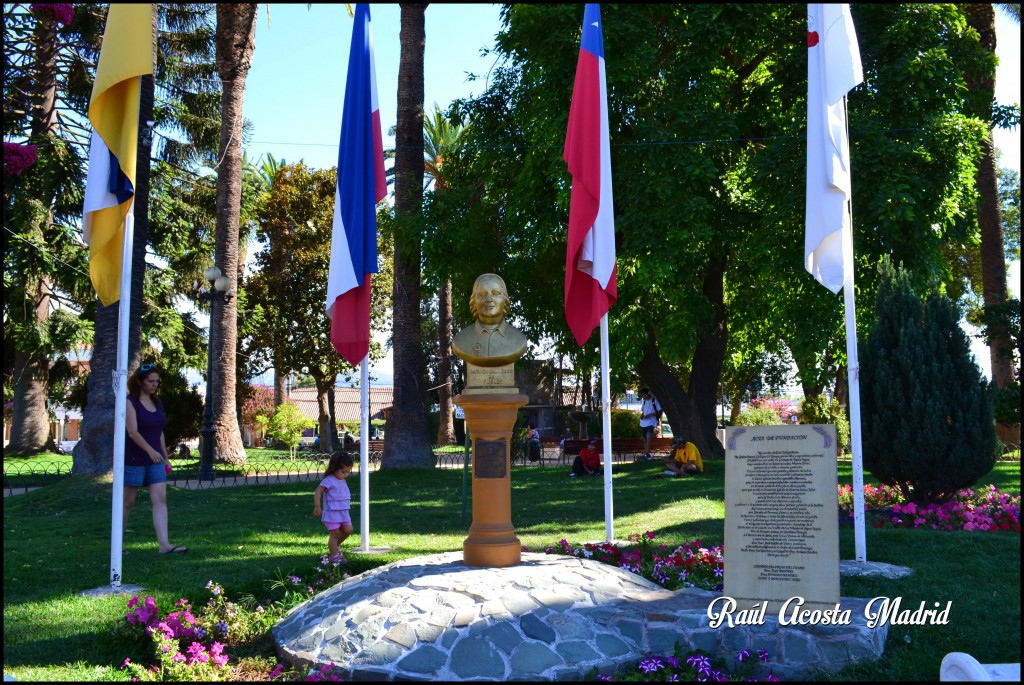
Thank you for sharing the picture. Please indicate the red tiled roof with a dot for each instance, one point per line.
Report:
(346, 403)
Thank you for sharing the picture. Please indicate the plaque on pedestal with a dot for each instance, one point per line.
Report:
(490, 379)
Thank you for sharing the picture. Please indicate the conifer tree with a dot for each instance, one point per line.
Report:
(926, 412)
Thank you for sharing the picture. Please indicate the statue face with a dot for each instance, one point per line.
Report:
(491, 301)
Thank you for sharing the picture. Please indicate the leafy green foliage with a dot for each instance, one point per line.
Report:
(287, 425)
(820, 409)
(758, 416)
(625, 424)
(926, 414)
(707, 106)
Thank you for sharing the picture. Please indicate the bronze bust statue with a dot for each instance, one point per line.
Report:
(491, 341)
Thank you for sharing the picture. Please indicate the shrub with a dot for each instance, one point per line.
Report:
(925, 411)
(758, 416)
(625, 423)
(287, 425)
(819, 409)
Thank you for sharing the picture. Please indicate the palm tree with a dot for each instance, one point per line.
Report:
(236, 42)
(408, 434)
(982, 18)
(440, 137)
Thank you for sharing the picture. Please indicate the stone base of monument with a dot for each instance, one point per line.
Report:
(550, 617)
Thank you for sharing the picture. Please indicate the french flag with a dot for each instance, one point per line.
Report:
(361, 185)
(590, 283)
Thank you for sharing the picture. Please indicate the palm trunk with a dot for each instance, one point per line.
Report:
(408, 433)
(30, 423)
(236, 41)
(982, 18)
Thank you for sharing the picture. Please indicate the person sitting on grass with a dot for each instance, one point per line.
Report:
(685, 460)
(588, 463)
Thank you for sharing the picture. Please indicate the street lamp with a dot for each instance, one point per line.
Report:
(219, 286)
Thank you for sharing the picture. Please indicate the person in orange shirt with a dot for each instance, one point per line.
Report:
(588, 463)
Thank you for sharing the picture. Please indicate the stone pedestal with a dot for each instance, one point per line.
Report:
(490, 417)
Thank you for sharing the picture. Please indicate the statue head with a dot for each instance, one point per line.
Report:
(489, 301)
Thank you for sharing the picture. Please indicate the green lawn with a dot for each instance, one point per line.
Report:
(57, 543)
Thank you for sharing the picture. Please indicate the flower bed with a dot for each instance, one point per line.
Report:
(689, 565)
(985, 510)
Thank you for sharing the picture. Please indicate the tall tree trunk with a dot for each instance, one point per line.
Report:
(692, 413)
(280, 390)
(30, 423)
(446, 424)
(982, 18)
(332, 445)
(706, 371)
(94, 453)
(408, 431)
(236, 41)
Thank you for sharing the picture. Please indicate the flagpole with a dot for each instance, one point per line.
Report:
(364, 454)
(606, 432)
(124, 306)
(853, 378)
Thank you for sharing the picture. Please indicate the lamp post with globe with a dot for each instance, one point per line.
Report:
(220, 288)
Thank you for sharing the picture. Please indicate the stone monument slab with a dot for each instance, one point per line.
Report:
(781, 518)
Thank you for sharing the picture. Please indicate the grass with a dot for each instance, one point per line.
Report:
(56, 544)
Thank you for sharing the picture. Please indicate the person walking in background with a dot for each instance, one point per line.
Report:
(685, 460)
(337, 501)
(588, 463)
(145, 451)
(650, 415)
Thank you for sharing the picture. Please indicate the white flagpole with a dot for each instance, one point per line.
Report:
(853, 375)
(606, 431)
(120, 381)
(364, 454)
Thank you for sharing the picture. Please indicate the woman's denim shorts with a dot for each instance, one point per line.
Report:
(141, 476)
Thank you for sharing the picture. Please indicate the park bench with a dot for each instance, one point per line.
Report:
(622, 448)
(626, 447)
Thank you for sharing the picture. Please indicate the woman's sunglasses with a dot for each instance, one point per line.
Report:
(147, 367)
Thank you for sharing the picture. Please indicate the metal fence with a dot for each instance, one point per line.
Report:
(307, 466)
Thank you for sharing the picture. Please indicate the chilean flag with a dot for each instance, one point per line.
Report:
(590, 284)
(361, 185)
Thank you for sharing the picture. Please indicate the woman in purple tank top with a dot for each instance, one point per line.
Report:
(145, 451)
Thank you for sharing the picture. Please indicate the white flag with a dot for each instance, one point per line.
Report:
(833, 68)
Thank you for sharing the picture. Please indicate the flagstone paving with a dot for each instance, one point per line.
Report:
(551, 617)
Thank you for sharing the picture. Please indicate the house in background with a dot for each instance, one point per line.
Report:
(346, 406)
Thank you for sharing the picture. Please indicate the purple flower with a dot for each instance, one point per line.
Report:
(277, 671)
(701, 663)
(762, 654)
(60, 12)
(126, 661)
(743, 655)
(650, 665)
(221, 628)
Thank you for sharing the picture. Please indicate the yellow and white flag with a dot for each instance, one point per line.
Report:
(126, 55)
